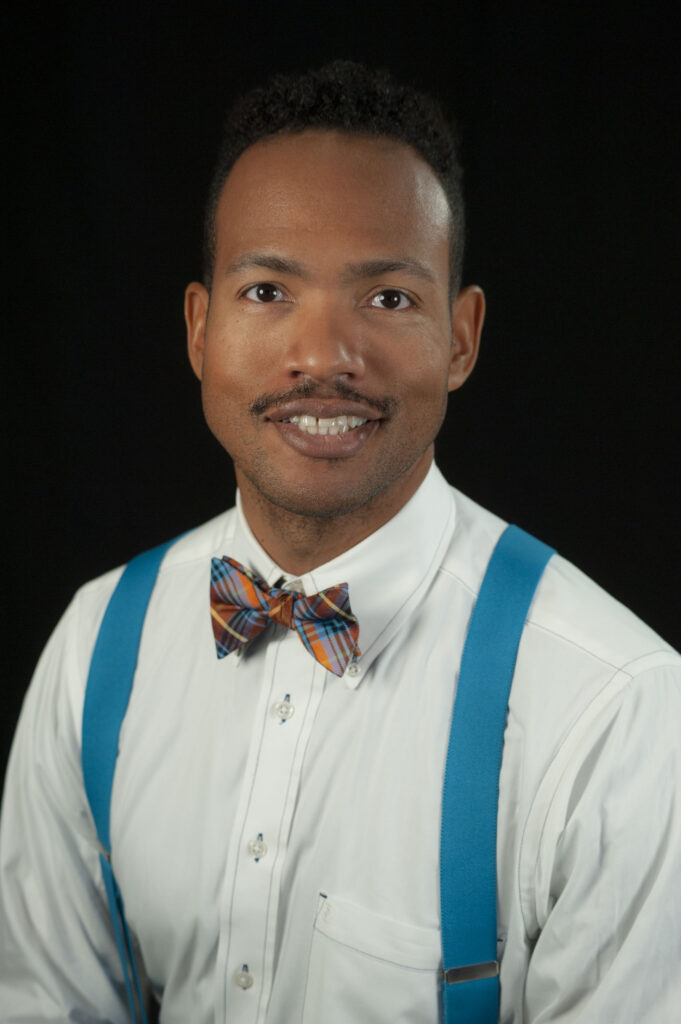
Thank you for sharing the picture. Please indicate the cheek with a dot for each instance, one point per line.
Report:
(221, 391)
(228, 362)
(423, 373)
(425, 390)
(230, 339)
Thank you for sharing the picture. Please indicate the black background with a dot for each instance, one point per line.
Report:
(570, 424)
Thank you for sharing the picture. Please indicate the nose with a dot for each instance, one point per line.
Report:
(324, 343)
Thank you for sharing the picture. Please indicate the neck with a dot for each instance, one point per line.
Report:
(299, 543)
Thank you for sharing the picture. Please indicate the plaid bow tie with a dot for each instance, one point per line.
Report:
(241, 605)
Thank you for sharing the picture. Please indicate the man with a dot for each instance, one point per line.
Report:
(275, 822)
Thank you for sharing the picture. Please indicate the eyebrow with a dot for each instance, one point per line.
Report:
(353, 271)
(376, 268)
(267, 261)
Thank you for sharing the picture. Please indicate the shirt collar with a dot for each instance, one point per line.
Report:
(387, 573)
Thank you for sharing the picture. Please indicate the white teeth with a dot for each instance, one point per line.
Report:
(335, 425)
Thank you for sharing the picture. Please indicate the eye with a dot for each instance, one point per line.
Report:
(264, 292)
(391, 298)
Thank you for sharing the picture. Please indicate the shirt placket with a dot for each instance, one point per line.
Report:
(292, 685)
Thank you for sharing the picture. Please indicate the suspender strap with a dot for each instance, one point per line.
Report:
(109, 683)
(471, 788)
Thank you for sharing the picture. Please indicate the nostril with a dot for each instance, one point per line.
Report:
(323, 343)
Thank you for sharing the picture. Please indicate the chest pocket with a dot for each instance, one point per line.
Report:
(369, 968)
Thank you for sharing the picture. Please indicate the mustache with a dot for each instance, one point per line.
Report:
(311, 389)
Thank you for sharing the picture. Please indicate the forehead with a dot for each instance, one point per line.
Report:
(336, 189)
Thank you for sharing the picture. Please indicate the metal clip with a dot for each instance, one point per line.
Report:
(471, 972)
(106, 854)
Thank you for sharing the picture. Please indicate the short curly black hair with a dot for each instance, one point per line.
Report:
(342, 96)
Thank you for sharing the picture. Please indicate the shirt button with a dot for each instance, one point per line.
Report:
(353, 669)
(284, 709)
(244, 978)
(257, 848)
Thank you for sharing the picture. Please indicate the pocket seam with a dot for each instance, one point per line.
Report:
(375, 956)
(391, 942)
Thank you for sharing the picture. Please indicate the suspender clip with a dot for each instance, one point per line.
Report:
(471, 972)
(103, 852)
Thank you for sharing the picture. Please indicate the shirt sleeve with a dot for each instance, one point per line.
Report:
(58, 958)
(607, 913)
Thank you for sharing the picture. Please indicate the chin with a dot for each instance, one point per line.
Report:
(315, 504)
(330, 491)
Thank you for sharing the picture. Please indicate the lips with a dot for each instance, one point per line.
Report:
(325, 429)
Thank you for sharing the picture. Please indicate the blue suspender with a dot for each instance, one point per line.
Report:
(470, 793)
(468, 840)
(109, 683)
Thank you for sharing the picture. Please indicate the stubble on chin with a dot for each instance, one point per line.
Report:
(331, 497)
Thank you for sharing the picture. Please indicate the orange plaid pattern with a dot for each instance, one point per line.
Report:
(241, 606)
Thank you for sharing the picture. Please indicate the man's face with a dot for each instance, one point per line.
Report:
(325, 352)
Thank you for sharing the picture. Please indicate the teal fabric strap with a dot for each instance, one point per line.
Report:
(468, 841)
(109, 683)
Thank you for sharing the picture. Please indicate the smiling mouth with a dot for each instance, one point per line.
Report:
(333, 425)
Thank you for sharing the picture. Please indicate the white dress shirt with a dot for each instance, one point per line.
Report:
(275, 828)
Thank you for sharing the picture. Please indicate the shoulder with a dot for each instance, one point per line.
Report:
(50, 724)
(583, 656)
(186, 557)
(573, 612)
(194, 547)
(570, 610)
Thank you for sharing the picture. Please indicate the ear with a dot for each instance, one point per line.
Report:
(468, 315)
(196, 300)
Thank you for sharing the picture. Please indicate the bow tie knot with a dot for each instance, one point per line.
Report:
(242, 605)
(280, 607)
